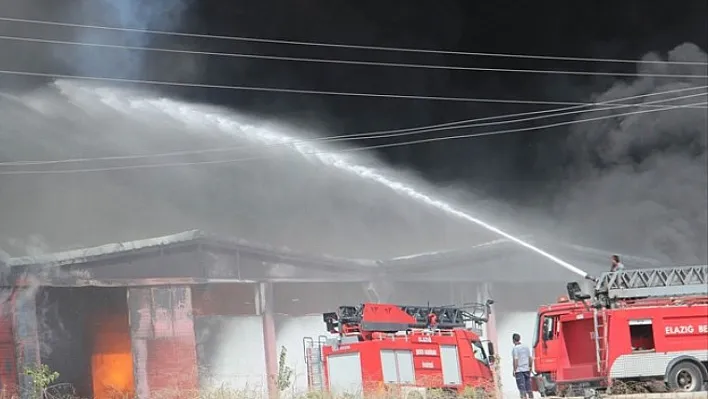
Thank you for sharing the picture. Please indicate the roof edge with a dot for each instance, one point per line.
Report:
(91, 253)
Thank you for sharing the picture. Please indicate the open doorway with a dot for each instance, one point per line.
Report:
(84, 336)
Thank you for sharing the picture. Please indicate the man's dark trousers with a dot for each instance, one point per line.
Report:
(523, 382)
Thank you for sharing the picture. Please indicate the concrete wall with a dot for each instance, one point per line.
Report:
(231, 350)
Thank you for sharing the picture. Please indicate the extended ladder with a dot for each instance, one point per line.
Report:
(662, 282)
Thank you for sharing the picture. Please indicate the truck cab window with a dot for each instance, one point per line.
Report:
(479, 353)
(549, 328)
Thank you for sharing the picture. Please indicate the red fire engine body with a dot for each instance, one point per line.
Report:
(382, 346)
(646, 324)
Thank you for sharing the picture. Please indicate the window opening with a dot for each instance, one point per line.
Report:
(641, 334)
(479, 353)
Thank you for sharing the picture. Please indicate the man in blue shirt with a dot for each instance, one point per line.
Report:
(523, 364)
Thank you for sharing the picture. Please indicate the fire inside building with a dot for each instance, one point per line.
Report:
(133, 317)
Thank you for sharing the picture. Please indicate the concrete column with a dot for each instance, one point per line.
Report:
(24, 330)
(162, 340)
(264, 308)
(491, 332)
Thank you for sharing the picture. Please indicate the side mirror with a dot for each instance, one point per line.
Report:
(490, 349)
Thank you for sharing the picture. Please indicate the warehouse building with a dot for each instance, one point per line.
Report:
(171, 313)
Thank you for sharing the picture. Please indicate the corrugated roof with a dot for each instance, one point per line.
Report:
(85, 255)
(479, 255)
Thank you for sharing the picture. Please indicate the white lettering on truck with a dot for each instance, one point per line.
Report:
(686, 329)
(428, 365)
(426, 352)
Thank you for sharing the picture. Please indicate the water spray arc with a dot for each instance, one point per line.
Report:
(447, 208)
(227, 123)
(341, 162)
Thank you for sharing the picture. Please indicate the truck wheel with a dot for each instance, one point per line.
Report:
(685, 377)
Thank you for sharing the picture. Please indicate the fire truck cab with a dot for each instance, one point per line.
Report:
(646, 324)
(374, 347)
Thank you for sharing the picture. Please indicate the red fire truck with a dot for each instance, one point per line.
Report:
(409, 348)
(646, 324)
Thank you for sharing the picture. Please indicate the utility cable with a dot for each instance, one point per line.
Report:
(351, 62)
(346, 46)
(281, 90)
(331, 152)
(389, 133)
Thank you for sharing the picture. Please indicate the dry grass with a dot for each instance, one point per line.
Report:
(227, 393)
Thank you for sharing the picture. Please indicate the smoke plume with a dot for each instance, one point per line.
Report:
(164, 15)
(638, 183)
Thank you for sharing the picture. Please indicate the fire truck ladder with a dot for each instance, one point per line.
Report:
(449, 316)
(600, 338)
(661, 282)
(314, 361)
(470, 315)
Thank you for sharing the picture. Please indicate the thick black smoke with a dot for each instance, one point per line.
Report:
(638, 183)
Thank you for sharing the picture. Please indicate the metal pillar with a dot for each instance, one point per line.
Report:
(24, 330)
(264, 308)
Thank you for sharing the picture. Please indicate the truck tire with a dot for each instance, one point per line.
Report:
(686, 376)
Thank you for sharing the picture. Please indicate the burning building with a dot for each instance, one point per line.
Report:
(155, 315)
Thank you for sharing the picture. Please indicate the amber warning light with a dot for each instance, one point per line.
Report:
(562, 299)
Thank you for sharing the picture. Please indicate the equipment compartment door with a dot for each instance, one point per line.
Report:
(450, 365)
(344, 374)
(397, 366)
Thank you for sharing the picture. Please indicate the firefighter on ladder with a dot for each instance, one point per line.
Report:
(616, 266)
(432, 320)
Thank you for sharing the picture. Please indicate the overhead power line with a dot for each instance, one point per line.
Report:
(283, 90)
(348, 62)
(325, 152)
(347, 46)
(477, 122)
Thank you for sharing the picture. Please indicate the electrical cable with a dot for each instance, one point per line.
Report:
(281, 90)
(412, 142)
(387, 133)
(351, 62)
(346, 46)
